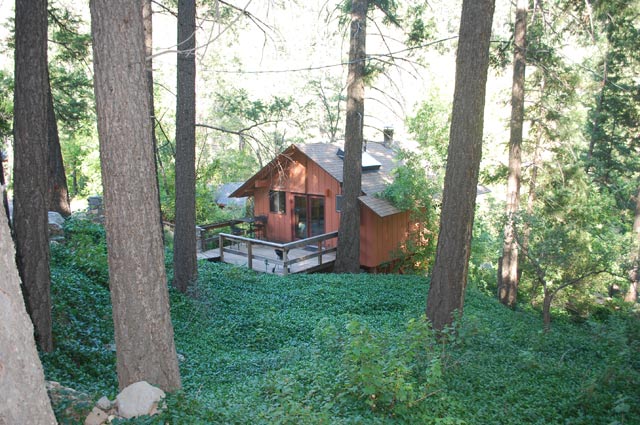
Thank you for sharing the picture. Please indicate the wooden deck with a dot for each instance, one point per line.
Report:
(303, 256)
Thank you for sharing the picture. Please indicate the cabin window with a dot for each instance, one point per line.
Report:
(277, 202)
(338, 203)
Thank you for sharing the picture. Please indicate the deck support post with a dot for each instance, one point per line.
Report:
(319, 253)
(221, 245)
(250, 255)
(285, 265)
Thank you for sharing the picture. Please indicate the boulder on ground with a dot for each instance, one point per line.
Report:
(56, 223)
(139, 399)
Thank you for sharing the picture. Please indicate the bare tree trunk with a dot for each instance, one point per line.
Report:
(30, 223)
(531, 195)
(24, 398)
(58, 192)
(508, 287)
(348, 255)
(3, 192)
(143, 331)
(634, 275)
(595, 121)
(147, 22)
(546, 309)
(449, 278)
(185, 266)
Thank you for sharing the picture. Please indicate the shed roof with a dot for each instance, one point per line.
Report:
(325, 155)
(223, 195)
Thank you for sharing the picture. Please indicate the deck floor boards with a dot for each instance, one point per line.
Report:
(269, 263)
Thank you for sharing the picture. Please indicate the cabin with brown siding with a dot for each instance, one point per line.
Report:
(299, 193)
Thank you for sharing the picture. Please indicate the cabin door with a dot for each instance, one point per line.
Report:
(308, 216)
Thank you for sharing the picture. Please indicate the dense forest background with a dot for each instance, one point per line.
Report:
(274, 73)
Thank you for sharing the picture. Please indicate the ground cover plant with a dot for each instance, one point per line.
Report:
(348, 349)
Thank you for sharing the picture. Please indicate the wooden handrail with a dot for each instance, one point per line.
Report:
(285, 247)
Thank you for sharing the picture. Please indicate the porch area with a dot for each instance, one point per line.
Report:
(302, 256)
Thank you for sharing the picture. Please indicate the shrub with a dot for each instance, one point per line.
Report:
(392, 373)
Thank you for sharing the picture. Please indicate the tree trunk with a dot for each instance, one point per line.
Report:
(147, 22)
(58, 191)
(137, 279)
(30, 222)
(348, 255)
(24, 398)
(508, 288)
(185, 267)
(546, 309)
(597, 115)
(3, 192)
(449, 278)
(634, 275)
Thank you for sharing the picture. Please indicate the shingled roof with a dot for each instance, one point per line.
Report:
(325, 155)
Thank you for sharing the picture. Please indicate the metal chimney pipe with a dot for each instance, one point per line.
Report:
(387, 132)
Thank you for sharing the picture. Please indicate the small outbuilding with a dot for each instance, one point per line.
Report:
(300, 193)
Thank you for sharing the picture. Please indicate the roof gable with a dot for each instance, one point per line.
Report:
(374, 180)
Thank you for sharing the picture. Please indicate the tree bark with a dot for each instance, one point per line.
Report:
(24, 398)
(508, 287)
(137, 279)
(634, 274)
(58, 190)
(30, 222)
(185, 267)
(348, 255)
(449, 278)
(3, 192)
(147, 22)
(546, 309)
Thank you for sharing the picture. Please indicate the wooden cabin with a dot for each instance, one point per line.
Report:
(299, 192)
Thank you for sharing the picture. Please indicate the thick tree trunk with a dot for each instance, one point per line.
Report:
(24, 398)
(58, 191)
(185, 267)
(348, 255)
(449, 278)
(143, 331)
(30, 223)
(508, 288)
(634, 274)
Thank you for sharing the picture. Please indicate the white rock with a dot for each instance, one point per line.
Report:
(96, 417)
(104, 403)
(56, 218)
(138, 399)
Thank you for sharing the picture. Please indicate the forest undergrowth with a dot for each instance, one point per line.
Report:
(346, 349)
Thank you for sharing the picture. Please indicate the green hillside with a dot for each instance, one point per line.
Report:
(347, 349)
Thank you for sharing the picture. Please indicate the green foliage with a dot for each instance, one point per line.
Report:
(430, 128)
(486, 245)
(313, 349)
(576, 242)
(84, 356)
(82, 164)
(392, 373)
(73, 102)
(85, 249)
(207, 211)
(420, 26)
(412, 190)
(6, 107)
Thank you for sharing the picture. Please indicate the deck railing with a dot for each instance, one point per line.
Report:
(286, 261)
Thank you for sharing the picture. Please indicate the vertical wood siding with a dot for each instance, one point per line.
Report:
(380, 237)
